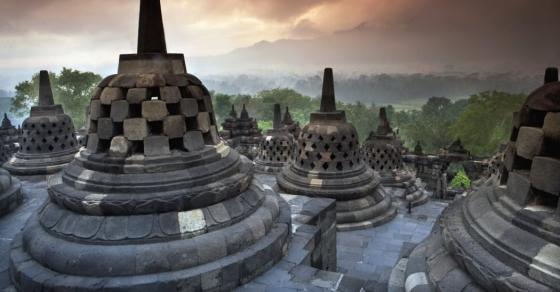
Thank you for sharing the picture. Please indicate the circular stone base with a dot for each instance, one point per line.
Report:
(39, 165)
(475, 246)
(269, 168)
(11, 198)
(223, 274)
(413, 192)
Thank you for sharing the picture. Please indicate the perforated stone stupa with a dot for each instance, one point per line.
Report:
(276, 147)
(327, 163)
(9, 139)
(242, 133)
(10, 192)
(383, 151)
(48, 141)
(290, 125)
(506, 235)
(156, 202)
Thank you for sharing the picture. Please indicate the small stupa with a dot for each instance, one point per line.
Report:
(10, 192)
(155, 202)
(9, 139)
(327, 163)
(242, 133)
(48, 142)
(290, 125)
(276, 147)
(383, 153)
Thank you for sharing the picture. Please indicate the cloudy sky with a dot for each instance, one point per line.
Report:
(380, 35)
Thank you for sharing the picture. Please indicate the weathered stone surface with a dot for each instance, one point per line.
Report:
(519, 187)
(156, 146)
(150, 80)
(120, 147)
(95, 110)
(105, 128)
(170, 94)
(123, 80)
(203, 122)
(551, 127)
(93, 143)
(174, 126)
(545, 174)
(135, 129)
(196, 92)
(119, 110)
(154, 110)
(193, 141)
(110, 94)
(137, 95)
(529, 142)
(189, 107)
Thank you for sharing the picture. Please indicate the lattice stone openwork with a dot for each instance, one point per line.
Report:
(275, 149)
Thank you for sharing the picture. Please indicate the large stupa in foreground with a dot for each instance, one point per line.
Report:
(155, 202)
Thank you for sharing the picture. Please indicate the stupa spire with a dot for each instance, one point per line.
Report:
(277, 117)
(6, 123)
(384, 127)
(328, 102)
(45, 91)
(233, 113)
(244, 113)
(551, 75)
(151, 35)
(287, 117)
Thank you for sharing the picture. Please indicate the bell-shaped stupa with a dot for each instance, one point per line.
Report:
(505, 236)
(9, 139)
(383, 151)
(289, 124)
(48, 141)
(10, 192)
(327, 163)
(276, 147)
(155, 202)
(242, 133)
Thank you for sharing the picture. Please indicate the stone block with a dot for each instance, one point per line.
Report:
(551, 127)
(189, 107)
(207, 103)
(545, 174)
(170, 94)
(156, 146)
(137, 95)
(97, 93)
(120, 147)
(509, 156)
(174, 126)
(111, 93)
(203, 122)
(95, 110)
(519, 187)
(529, 142)
(176, 79)
(93, 143)
(154, 110)
(123, 80)
(150, 80)
(135, 129)
(196, 92)
(214, 135)
(119, 110)
(193, 141)
(105, 128)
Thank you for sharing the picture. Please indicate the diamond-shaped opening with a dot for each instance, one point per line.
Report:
(327, 146)
(333, 138)
(319, 156)
(320, 138)
(343, 138)
(339, 147)
(325, 165)
(339, 166)
(345, 155)
(312, 165)
(333, 156)
(313, 146)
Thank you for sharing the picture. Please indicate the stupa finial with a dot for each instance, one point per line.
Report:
(277, 117)
(233, 113)
(151, 35)
(328, 102)
(244, 113)
(6, 123)
(551, 75)
(384, 127)
(287, 117)
(45, 91)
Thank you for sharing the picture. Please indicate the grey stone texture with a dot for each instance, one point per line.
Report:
(48, 141)
(9, 139)
(504, 236)
(11, 195)
(275, 149)
(242, 133)
(327, 163)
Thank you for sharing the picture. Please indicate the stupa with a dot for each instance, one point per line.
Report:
(9, 139)
(418, 149)
(505, 236)
(10, 192)
(155, 202)
(48, 141)
(382, 151)
(327, 163)
(290, 125)
(242, 133)
(456, 152)
(276, 147)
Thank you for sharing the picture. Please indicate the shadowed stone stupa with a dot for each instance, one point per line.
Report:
(10, 192)
(383, 151)
(155, 202)
(242, 133)
(48, 141)
(506, 235)
(327, 163)
(9, 139)
(276, 147)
